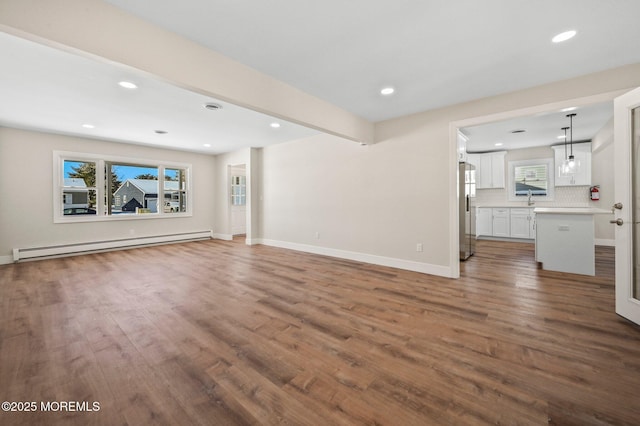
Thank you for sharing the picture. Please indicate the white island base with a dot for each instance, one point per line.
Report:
(565, 240)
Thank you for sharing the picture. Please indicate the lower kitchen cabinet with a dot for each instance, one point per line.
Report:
(484, 221)
(522, 223)
(501, 222)
(505, 222)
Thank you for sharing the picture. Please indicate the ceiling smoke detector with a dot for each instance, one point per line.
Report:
(212, 106)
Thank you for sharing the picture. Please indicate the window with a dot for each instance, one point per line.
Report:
(107, 188)
(175, 194)
(78, 187)
(131, 188)
(531, 180)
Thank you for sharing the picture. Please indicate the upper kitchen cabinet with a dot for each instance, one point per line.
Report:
(489, 169)
(582, 153)
(462, 147)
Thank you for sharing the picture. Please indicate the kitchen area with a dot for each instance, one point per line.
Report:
(545, 179)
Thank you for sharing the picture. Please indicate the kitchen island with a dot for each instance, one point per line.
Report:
(565, 239)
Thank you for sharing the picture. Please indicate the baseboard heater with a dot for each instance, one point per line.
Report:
(94, 246)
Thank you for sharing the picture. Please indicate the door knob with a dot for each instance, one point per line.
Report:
(618, 221)
(617, 206)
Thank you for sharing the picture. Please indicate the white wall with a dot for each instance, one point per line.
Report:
(371, 203)
(26, 174)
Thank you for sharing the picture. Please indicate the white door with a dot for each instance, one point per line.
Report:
(238, 204)
(627, 208)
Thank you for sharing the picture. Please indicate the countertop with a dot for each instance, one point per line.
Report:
(502, 206)
(570, 210)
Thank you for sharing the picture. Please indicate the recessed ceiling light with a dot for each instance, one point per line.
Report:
(387, 91)
(128, 85)
(564, 36)
(212, 106)
(161, 132)
(499, 144)
(207, 145)
(88, 126)
(568, 109)
(275, 125)
(560, 136)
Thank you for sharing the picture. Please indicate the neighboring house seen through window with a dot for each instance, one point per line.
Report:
(93, 188)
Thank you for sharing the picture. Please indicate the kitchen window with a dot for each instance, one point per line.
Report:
(531, 180)
(92, 187)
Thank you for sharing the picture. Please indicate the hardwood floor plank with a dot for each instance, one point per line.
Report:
(216, 332)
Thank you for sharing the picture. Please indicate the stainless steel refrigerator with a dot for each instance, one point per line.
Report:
(467, 209)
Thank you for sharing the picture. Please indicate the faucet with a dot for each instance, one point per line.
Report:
(529, 202)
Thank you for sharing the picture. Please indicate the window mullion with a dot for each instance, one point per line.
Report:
(100, 188)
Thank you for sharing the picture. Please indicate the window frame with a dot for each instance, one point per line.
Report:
(511, 184)
(59, 157)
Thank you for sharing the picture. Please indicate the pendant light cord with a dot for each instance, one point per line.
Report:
(571, 131)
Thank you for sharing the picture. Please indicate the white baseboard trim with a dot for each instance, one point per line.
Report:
(5, 260)
(605, 242)
(409, 265)
(34, 253)
(226, 237)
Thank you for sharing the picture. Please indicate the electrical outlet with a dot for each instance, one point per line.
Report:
(419, 247)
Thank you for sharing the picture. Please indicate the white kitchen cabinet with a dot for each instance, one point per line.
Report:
(489, 169)
(484, 176)
(462, 147)
(475, 160)
(506, 222)
(522, 223)
(582, 153)
(484, 221)
(500, 222)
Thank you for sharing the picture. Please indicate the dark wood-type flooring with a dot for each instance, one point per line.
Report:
(219, 333)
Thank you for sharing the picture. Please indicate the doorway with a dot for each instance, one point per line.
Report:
(497, 120)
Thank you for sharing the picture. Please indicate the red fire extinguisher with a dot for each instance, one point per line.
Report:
(595, 193)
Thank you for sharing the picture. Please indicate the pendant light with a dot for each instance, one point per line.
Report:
(562, 170)
(570, 165)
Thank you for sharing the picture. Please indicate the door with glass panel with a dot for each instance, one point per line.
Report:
(238, 203)
(627, 206)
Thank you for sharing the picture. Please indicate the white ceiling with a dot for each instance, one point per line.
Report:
(434, 52)
(52, 90)
(539, 130)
